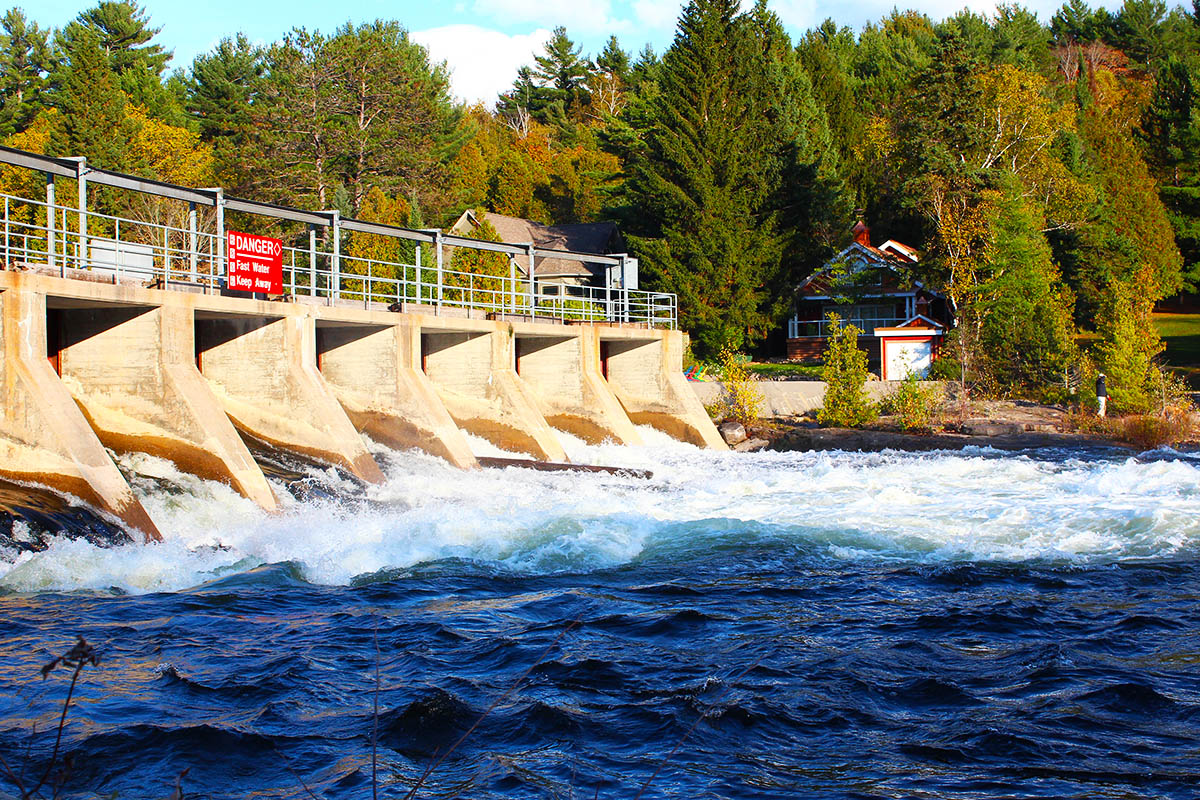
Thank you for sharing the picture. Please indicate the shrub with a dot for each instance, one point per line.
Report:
(742, 400)
(914, 404)
(1149, 431)
(845, 372)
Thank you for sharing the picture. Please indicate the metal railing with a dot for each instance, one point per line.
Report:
(47, 235)
(799, 329)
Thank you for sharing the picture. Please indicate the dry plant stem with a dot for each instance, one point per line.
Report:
(413, 791)
(296, 775)
(375, 725)
(62, 721)
(688, 733)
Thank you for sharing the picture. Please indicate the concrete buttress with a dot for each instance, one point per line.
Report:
(46, 439)
(374, 370)
(646, 375)
(133, 372)
(264, 371)
(564, 375)
(474, 372)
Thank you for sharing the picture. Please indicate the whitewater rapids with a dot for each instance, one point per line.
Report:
(975, 505)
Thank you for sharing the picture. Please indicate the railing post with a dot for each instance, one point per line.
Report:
(336, 270)
(312, 260)
(50, 220)
(532, 282)
(81, 171)
(220, 206)
(512, 284)
(417, 259)
(7, 242)
(193, 245)
(437, 244)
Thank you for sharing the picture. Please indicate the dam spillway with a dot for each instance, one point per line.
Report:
(92, 365)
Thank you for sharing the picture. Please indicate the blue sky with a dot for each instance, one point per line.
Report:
(483, 41)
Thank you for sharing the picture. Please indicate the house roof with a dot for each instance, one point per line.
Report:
(600, 238)
(890, 257)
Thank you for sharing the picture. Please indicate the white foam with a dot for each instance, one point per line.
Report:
(890, 506)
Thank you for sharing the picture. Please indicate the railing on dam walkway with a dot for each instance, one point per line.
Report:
(177, 251)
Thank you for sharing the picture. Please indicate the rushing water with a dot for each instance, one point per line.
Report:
(827, 625)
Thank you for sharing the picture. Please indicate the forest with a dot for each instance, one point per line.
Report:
(1048, 170)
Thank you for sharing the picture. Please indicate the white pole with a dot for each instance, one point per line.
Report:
(222, 269)
(50, 220)
(437, 243)
(312, 260)
(81, 178)
(193, 255)
(337, 257)
(532, 280)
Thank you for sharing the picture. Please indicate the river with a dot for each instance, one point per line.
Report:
(774, 625)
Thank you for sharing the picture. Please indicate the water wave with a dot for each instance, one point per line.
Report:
(939, 507)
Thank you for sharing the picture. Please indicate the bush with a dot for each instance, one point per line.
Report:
(741, 401)
(914, 404)
(845, 372)
(1148, 431)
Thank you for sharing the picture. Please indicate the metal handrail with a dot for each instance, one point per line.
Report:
(38, 234)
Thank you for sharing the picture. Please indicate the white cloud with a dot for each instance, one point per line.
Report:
(654, 16)
(577, 14)
(483, 63)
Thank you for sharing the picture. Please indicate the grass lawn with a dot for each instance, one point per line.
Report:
(775, 371)
(1181, 332)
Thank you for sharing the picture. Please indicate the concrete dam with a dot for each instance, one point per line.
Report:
(157, 356)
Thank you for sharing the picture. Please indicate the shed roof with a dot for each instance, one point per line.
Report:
(600, 238)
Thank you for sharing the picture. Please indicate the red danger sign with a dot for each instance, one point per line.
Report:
(255, 263)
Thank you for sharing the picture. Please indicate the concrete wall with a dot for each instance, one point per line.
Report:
(178, 374)
(375, 371)
(564, 375)
(264, 371)
(132, 369)
(790, 398)
(476, 378)
(44, 438)
(646, 374)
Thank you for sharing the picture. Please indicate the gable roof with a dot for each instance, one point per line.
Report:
(600, 238)
(889, 257)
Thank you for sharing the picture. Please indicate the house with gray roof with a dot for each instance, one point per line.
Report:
(601, 238)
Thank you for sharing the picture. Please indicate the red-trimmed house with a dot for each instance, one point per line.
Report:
(901, 320)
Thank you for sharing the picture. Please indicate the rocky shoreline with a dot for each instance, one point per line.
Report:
(1002, 425)
(804, 438)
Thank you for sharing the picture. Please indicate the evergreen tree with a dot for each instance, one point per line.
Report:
(613, 60)
(24, 65)
(846, 403)
(1026, 332)
(702, 185)
(222, 88)
(1170, 131)
(125, 36)
(563, 70)
(93, 120)
(123, 31)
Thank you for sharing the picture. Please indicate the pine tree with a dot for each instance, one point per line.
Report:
(24, 63)
(93, 122)
(846, 403)
(701, 185)
(123, 31)
(563, 70)
(221, 91)
(614, 60)
(1026, 331)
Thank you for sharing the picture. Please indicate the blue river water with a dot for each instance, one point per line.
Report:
(776, 625)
